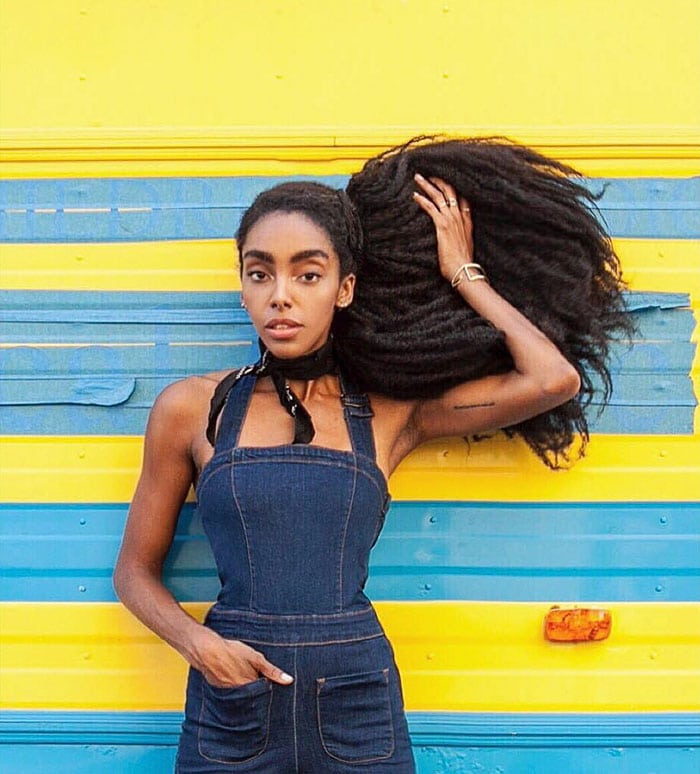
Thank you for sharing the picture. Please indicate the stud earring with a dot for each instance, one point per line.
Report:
(243, 306)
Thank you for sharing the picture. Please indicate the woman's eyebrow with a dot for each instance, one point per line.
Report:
(302, 255)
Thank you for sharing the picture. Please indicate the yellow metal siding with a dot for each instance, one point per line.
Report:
(452, 656)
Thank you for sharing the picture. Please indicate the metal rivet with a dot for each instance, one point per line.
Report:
(82, 589)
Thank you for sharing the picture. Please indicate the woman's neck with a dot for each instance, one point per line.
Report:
(323, 386)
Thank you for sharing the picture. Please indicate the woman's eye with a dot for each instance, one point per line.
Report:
(256, 276)
(310, 276)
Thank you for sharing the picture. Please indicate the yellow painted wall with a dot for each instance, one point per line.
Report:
(178, 85)
(468, 656)
(213, 87)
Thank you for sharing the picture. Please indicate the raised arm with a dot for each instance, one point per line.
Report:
(166, 476)
(541, 379)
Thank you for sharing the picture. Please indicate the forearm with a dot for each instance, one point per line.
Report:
(534, 355)
(143, 593)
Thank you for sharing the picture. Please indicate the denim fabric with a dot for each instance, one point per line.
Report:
(291, 528)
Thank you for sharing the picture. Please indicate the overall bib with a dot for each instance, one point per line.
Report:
(291, 528)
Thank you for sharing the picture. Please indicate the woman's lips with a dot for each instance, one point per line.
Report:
(282, 329)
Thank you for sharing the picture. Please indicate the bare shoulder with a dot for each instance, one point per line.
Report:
(182, 407)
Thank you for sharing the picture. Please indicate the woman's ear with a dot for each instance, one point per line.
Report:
(345, 291)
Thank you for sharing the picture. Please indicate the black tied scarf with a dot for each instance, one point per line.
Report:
(317, 363)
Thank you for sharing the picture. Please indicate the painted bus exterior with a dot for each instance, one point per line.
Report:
(132, 137)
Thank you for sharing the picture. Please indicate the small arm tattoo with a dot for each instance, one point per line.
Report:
(474, 405)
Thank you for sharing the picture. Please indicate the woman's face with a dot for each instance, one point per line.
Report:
(290, 283)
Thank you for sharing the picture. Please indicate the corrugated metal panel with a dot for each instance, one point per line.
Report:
(141, 743)
(574, 76)
(151, 141)
(210, 265)
(460, 656)
(427, 551)
(108, 387)
(135, 210)
(660, 468)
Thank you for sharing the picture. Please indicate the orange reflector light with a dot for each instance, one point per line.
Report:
(577, 624)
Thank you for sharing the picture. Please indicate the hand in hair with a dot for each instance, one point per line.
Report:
(409, 335)
(541, 378)
(453, 224)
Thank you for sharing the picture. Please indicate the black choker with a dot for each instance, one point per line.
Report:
(321, 361)
(311, 366)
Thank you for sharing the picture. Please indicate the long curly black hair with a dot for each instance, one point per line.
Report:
(407, 333)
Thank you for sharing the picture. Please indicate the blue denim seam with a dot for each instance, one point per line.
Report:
(351, 502)
(294, 714)
(314, 642)
(251, 570)
(301, 461)
(316, 617)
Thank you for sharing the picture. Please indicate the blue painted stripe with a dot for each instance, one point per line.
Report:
(53, 210)
(94, 409)
(648, 729)
(108, 390)
(625, 552)
(571, 756)
(136, 308)
(112, 743)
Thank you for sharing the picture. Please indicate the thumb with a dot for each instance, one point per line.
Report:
(272, 672)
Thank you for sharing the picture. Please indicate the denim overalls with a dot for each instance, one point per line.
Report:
(291, 528)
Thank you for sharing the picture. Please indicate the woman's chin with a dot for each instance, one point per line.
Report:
(289, 346)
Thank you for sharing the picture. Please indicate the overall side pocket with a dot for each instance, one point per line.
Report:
(234, 723)
(354, 716)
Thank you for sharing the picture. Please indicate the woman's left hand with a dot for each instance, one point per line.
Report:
(453, 224)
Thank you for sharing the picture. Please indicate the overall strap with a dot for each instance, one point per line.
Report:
(358, 417)
(231, 395)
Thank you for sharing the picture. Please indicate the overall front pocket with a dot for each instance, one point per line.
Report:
(354, 716)
(234, 723)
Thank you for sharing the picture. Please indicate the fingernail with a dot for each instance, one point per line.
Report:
(287, 678)
(418, 176)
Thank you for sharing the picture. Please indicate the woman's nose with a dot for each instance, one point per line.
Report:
(280, 295)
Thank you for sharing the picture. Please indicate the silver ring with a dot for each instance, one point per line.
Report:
(452, 202)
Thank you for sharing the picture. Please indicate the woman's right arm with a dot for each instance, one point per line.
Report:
(166, 476)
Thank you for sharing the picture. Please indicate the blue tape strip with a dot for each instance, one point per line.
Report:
(479, 551)
(145, 209)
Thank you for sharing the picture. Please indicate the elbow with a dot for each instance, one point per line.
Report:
(562, 384)
(123, 576)
(119, 576)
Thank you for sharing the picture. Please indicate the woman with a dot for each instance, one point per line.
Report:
(291, 670)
